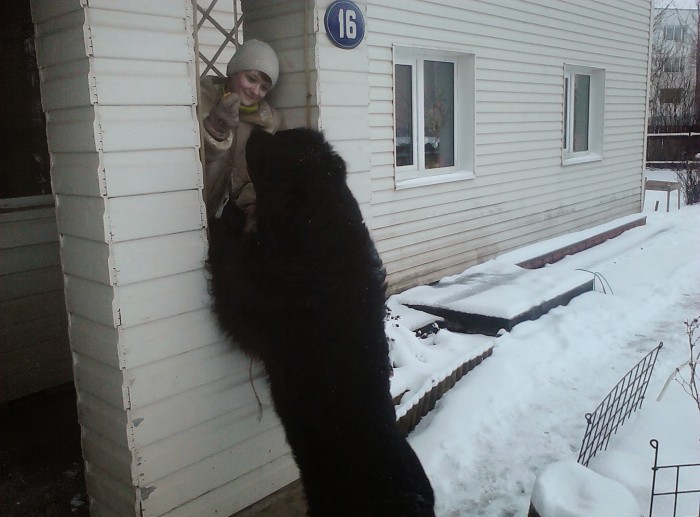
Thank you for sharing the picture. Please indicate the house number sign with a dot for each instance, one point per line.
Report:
(345, 24)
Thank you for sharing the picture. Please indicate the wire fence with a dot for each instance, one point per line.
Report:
(624, 399)
(689, 471)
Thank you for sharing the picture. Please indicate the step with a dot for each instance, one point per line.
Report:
(483, 300)
(426, 402)
(552, 250)
(496, 296)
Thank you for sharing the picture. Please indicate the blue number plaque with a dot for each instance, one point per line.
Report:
(345, 24)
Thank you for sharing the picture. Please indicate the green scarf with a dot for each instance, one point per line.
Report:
(241, 109)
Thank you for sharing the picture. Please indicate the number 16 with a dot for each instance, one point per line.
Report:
(346, 20)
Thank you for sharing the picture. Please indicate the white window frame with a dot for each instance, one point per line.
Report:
(674, 33)
(416, 174)
(596, 111)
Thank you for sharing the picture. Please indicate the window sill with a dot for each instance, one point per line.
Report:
(573, 160)
(434, 180)
(15, 204)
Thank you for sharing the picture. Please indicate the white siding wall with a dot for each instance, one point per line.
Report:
(335, 80)
(521, 193)
(169, 418)
(281, 23)
(34, 351)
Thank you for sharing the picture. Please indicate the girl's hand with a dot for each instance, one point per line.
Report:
(223, 117)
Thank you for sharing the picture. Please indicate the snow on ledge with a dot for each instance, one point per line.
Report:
(538, 249)
(420, 364)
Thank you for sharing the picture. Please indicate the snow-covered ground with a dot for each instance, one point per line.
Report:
(523, 408)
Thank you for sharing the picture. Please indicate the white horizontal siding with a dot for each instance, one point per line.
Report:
(189, 484)
(154, 374)
(34, 351)
(65, 84)
(281, 24)
(127, 35)
(242, 492)
(142, 83)
(136, 128)
(59, 33)
(521, 192)
(139, 217)
(207, 439)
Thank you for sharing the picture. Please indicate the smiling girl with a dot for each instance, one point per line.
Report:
(231, 108)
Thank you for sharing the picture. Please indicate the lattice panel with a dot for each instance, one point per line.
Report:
(219, 32)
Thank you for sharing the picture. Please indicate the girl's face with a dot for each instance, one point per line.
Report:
(250, 85)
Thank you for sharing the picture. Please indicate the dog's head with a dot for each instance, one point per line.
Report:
(292, 160)
(300, 184)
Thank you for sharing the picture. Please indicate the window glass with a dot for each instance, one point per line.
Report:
(404, 114)
(439, 106)
(566, 112)
(673, 64)
(671, 95)
(584, 114)
(25, 170)
(582, 93)
(433, 116)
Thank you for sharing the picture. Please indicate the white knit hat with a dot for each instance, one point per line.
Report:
(255, 55)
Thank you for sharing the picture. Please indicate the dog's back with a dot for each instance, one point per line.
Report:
(306, 295)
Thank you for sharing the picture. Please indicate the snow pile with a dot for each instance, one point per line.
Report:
(523, 408)
(674, 422)
(567, 489)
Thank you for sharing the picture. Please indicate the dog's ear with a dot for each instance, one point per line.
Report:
(256, 149)
(338, 167)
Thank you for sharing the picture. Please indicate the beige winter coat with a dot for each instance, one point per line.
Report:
(225, 169)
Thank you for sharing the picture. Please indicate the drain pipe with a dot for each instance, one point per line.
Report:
(307, 70)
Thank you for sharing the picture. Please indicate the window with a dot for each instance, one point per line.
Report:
(671, 95)
(673, 64)
(433, 116)
(25, 170)
(584, 98)
(674, 33)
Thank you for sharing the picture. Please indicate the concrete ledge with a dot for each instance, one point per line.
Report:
(427, 402)
(469, 323)
(581, 245)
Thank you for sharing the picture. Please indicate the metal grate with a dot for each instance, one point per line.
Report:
(691, 469)
(231, 36)
(624, 399)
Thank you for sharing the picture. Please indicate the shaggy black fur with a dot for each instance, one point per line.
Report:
(305, 294)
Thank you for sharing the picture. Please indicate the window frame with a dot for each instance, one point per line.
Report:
(677, 32)
(417, 174)
(596, 110)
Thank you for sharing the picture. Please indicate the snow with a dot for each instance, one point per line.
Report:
(567, 489)
(523, 408)
(476, 291)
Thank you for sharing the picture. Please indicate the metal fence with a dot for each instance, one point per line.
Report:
(672, 149)
(624, 399)
(690, 470)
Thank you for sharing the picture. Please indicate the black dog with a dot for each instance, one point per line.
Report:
(305, 293)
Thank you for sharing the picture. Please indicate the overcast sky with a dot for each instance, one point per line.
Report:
(679, 4)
